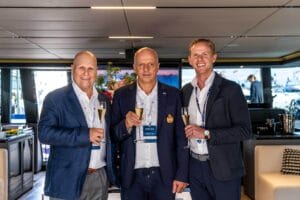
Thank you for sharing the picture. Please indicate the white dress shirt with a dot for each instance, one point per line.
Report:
(90, 110)
(197, 117)
(146, 153)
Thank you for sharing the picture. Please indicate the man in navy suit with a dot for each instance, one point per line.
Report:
(219, 122)
(154, 162)
(80, 160)
(256, 89)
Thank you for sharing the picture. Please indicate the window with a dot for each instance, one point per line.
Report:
(45, 82)
(239, 75)
(17, 111)
(286, 88)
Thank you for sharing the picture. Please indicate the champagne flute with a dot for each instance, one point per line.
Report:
(139, 110)
(186, 120)
(101, 114)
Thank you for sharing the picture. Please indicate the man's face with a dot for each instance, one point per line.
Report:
(146, 67)
(202, 58)
(84, 70)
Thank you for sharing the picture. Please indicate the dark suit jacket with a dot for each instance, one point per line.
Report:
(63, 126)
(173, 157)
(228, 121)
(256, 92)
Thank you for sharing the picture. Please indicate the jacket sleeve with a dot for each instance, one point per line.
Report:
(53, 132)
(238, 127)
(119, 130)
(181, 142)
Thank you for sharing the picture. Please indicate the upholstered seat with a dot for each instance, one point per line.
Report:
(270, 183)
(3, 174)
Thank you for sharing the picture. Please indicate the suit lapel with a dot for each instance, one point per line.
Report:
(213, 93)
(162, 103)
(75, 106)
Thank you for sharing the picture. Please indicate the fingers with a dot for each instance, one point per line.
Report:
(178, 186)
(132, 119)
(193, 131)
(96, 135)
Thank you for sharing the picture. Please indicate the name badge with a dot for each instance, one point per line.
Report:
(150, 134)
(95, 147)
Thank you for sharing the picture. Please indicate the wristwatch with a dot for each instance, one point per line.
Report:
(206, 134)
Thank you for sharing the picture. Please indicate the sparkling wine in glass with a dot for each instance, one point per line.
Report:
(139, 110)
(101, 114)
(185, 116)
(186, 120)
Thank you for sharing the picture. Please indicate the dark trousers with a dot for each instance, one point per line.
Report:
(205, 187)
(147, 185)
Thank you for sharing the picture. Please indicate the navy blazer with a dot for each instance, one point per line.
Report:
(228, 121)
(256, 92)
(173, 157)
(63, 126)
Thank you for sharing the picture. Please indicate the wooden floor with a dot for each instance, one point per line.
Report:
(36, 193)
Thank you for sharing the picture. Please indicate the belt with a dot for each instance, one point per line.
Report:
(200, 157)
(91, 170)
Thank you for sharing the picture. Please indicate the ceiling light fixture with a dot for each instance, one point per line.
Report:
(130, 37)
(123, 7)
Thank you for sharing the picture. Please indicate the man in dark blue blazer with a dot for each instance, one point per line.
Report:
(154, 162)
(79, 161)
(219, 122)
(256, 89)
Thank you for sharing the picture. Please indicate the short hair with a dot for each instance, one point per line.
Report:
(251, 76)
(146, 49)
(202, 40)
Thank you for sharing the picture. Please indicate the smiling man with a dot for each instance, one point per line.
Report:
(79, 164)
(154, 162)
(219, 122)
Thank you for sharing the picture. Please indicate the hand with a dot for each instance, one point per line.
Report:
(178, 186)
(194, 131)
(96, 135)
(132, 119)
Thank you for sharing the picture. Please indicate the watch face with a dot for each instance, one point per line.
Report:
(206, 132)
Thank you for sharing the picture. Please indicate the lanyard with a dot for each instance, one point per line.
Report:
(203, 113)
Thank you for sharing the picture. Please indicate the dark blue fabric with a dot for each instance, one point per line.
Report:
(204, 186)
(229, 124)
(256, 92)
(147, 185)
(173, 157)
(63, 126)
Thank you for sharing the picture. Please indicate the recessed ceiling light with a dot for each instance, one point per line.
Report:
(130, 37)
(124, 7)
(121, 53)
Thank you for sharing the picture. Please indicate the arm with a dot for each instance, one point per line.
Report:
(52, 132)
(181, 142)
(119, 129)
(238, 124)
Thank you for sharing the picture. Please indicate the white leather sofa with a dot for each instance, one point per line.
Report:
(3, 174)
(270, 184)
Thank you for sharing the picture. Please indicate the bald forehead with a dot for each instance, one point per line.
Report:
(146, 50)
(85, 55)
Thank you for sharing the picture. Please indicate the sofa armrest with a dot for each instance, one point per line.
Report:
(3, 174)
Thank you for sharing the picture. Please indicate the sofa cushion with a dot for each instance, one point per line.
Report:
(291, 161)
(277, 186)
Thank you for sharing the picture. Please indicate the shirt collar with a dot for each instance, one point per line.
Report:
(152, 93)
(208, 82)
(81, 94)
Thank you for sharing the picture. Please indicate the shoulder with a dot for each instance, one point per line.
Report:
(167, 88)
(227, 84)
(125, 90)
(186, 87)
(60, 92)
